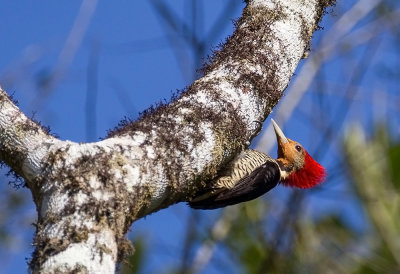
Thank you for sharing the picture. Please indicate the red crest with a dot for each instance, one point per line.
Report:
(309, 176)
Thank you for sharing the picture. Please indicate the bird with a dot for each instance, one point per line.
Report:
(253, 173)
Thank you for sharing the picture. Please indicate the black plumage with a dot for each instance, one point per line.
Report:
(251, 175)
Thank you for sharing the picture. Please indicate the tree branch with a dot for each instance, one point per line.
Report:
(23, 142)
(88, 195)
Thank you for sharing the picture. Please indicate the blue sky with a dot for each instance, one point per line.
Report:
(128, 45)
(136, 68)
(134, 58)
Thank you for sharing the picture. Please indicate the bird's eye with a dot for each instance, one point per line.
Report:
(298, 148)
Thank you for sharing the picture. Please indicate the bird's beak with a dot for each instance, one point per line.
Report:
(279, 134)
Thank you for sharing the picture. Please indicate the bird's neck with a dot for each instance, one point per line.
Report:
(285, 167)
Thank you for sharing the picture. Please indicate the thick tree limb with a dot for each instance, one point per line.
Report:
(88, 195)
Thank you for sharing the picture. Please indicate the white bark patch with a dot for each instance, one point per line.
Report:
(98, 255)
(264, 3)
(33, 162)
(247, 104)
(159, 190)
(57, 230)
(200, 152)
(53, 202)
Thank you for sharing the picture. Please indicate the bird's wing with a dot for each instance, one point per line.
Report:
(258, 182)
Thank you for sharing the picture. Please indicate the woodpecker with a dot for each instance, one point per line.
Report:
(253, 173)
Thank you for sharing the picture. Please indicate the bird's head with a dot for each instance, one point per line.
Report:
(298, 168)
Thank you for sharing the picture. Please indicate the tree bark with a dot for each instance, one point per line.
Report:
(88, 195)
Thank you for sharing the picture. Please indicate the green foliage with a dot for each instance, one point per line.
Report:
(394, 164)
(374, 168)
(245, 239)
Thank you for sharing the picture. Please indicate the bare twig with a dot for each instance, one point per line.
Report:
(71, 45)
